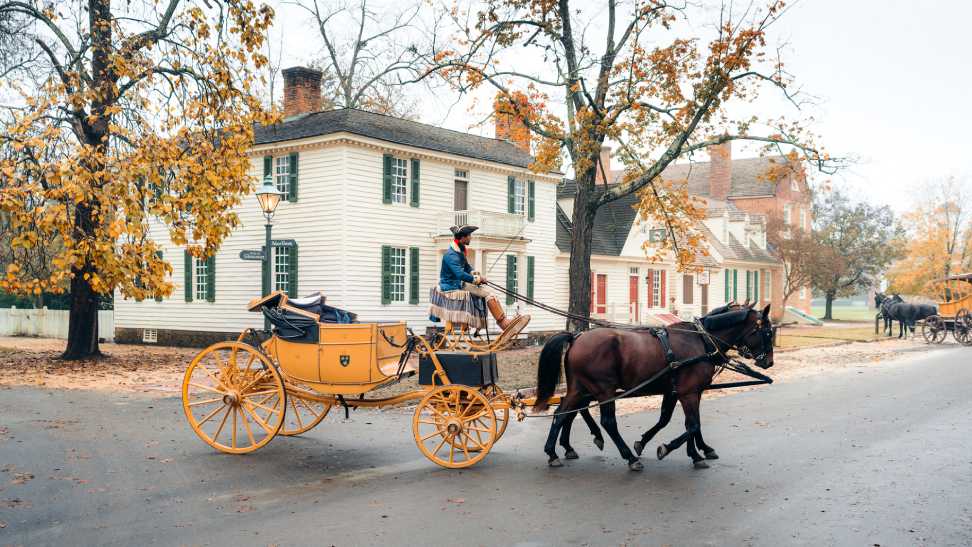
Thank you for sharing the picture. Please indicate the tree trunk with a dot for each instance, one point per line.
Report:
(829, 308)
(582, 231)
(83, 320)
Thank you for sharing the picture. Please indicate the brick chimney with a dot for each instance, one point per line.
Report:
(603, 172)
(508, 127)
(720, 170)
(302, 91)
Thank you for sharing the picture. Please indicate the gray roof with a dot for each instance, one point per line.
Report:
(748, 253)
(748, 177)
(612, 223)
(394, 130)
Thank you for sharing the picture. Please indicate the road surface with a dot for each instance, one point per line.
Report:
(877, 455)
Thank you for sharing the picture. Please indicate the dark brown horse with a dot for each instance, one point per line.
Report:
(603, 362)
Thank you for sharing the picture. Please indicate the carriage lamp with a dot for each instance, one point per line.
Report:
(269, 197)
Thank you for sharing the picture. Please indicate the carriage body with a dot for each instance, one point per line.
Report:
(238, 396)
(954, 312)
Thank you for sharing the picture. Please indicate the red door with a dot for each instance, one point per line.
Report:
(602, 293)
(633, 298)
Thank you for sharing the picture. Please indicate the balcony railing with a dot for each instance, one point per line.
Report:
(491, 223)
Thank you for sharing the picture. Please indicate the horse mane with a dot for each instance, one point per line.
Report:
(724, 320)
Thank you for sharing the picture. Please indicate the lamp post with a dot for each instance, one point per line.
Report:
(268, 196)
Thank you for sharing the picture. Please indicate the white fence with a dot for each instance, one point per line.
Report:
(47, 323)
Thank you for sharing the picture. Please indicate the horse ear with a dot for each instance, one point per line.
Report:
(766, 311)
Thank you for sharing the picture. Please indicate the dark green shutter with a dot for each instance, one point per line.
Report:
(268, 169)
(727, 283)
(386, 179)
(158, 254)
(735, 284)
(265, 265)
(531, 207)
(292, 195)
(385, 274)
(414, 201)
(211, 279)
(187, 270)
(510, 277)
(292, 273)
(756, 286)
(510, 190)
(529, 291)
(413, 276)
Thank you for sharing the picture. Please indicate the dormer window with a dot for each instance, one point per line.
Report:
(794, 185)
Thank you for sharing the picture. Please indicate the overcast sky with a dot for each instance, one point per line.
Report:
(892, 78)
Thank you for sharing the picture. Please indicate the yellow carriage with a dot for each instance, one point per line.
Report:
(954, 312)
(238, 396)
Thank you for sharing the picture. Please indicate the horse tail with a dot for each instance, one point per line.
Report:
(548, 372)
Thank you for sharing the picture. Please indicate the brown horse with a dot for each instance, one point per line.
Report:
(603, 362)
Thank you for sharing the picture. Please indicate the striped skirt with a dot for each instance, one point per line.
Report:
(458, 307)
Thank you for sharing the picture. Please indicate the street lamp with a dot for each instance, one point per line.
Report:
(268, 196)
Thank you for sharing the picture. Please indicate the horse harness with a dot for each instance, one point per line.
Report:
(672, 363)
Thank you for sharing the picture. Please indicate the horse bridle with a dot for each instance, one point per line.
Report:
(765, 331)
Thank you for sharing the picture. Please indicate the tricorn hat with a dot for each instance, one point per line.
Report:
(463, 231)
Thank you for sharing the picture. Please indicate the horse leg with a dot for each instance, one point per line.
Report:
(569, 452)
(707, 451)
(610, 424)
(592, 425)
(569, 402)
(690, 405)
(667, 408)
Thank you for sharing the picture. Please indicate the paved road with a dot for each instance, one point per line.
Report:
(874, 455)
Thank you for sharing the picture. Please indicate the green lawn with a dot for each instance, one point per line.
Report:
(846, 313)
(799, 337)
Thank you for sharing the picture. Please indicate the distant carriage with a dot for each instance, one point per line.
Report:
(953, 312)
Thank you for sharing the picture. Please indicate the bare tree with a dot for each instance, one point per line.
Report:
(798, 251)
(363, 54)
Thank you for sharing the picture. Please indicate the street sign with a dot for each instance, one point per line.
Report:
(254, 254)
(704, 277)
(284, 242)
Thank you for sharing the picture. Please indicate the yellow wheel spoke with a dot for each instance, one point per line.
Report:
(206, 402)
(268, 409)
(430, 435)
(234, 427)
(310, 408)
(222, 423)
(260, 422)
(439, 447)
(293, 404)
(481, 447)
(246, 425)
(210, 416)
(205, 369)
(207, 388)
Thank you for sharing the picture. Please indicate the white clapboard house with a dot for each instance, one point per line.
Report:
(369, 202)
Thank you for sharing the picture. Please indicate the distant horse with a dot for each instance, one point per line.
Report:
(908, 314)
(600, 362)
(884, 303)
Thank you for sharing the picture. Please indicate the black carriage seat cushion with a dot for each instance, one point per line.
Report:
(291, 326)
(326, 314)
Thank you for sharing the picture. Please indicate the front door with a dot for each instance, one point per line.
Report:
(633, 298)
(705, 299)
(459, 202)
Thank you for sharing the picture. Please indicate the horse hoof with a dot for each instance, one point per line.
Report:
(711, 455)
(662, 452)
(570, 455)
(599, 443)
(639, 447)
(700, 464)
(555, 462)
(635, 465)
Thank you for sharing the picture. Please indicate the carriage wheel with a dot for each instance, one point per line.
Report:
(962, 333)
(933, 330)
(965, 318)
(301, 414)
(454, 426)
(233, 397)
(501, 407)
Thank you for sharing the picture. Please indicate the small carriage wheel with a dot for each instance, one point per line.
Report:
(301, 414)
(454, 426)
(933, 329)
(233, 397)
(500, 402)
(964, 317)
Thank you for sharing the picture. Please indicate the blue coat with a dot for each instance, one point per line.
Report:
(455, 270)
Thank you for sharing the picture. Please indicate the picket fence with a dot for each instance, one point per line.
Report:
(47, 323)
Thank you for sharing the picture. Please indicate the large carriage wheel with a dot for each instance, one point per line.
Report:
(233, 397)
(454, 426)
(965, 318)
(933, 330)
(962, 328)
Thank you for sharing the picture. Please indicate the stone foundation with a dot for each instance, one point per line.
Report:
(178, 338)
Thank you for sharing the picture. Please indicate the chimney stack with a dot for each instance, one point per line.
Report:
(302, 91)
(603, 173)
(720, 170)
(508, 127)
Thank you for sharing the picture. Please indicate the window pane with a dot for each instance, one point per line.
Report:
(281, 269)
(519, 196)
(399, 179)
(397, 274)
(281, 173)
(201, 278)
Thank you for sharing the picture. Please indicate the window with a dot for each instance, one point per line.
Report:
(768, 293)
(633, 270)
(519, 197)
(281, 269)
(512, 277)
(202, 278)
(399, 182)
(787, 213)
(462, 174)
(281, 174)
(397, 280)
(657, 234)
(460, 199)
(688, 288)
(794, 184)
(656, 289)
(803, 218)
(749, 286)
